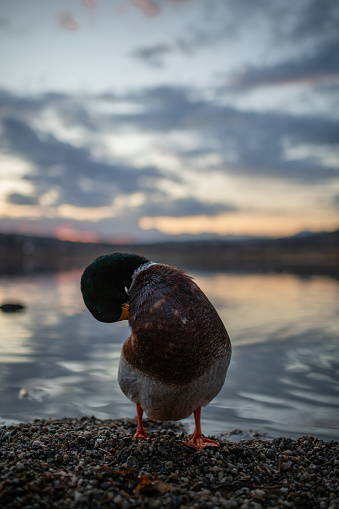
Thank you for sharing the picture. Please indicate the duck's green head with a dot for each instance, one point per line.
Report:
(104, 285)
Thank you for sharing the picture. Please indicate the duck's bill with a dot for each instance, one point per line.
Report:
(124, 312)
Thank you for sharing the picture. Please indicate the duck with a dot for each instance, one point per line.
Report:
(176, 358)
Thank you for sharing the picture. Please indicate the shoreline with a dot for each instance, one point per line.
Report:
(87, 462)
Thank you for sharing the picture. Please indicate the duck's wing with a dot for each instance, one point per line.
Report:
(177, 333)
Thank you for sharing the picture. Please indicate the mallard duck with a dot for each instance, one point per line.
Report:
(176, 358)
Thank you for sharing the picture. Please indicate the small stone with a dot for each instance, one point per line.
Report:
(230, 504)
(154, 504)
(77, 496)
(132, 462)
(163, 451)
(118, 499)
(37, 443)
(12, 307)
(197, 486)
(286, 465)
(306, 477)
(270, 454)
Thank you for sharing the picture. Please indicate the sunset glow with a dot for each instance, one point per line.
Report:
(64, 232)
(241, 224)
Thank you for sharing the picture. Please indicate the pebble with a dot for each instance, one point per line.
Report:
(87, 462)
(132, 462)
(270, 454)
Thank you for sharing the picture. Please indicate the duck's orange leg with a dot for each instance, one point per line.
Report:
(197, 441)
(141, 432)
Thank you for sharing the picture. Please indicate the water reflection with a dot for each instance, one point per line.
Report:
(283, 379)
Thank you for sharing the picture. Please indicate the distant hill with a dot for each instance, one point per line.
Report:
(306, 253)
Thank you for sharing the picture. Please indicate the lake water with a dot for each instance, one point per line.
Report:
(56, 360)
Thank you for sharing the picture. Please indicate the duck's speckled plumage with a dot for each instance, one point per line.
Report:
(177, 334)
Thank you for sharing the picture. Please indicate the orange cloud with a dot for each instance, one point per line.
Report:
(90, 4)
(148, 7)
(68, 23)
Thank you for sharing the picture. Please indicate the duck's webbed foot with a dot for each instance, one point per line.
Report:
(197, 440)
(200, 442)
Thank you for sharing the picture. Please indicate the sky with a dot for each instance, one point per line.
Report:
(151, 120)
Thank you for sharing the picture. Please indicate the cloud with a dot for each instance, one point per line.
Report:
(308, 33)
(71, 172)
(318, 18)
(90, 4)
(22, 199)
(250, 143)
(147, 7)
(137, 151)
(282, 27)
(67, 22)
(314, 69)
(73, 111)
(183, 207)
(29, 106)
(163, 108)
(153, 55)
(273, 145)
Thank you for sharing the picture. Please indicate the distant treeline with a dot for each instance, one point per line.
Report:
(309, 254)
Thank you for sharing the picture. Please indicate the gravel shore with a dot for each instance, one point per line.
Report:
(92, 463)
